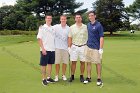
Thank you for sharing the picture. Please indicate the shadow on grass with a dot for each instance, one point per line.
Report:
(21, 59)
(118, 77)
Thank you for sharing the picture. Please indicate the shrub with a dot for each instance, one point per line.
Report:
(17, 32)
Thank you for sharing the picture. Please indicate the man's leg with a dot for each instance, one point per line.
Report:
(82, 69)
(88, 79)
(73, 67)
(49, 69)
(88, 70)
(51, 60)
(58, 55)
(98, 69)
(43, 64)
(57, 68)
(64, 66)
(57, 63)
(73, 58)
(43, 72)
(88, 57)
(65, 59)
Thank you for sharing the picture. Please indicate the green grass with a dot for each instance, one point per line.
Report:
(19, 59)
(14, 39)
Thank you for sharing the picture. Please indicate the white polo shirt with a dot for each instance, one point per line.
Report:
(61, 36)
(47, 34)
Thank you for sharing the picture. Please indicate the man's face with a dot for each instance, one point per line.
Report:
(48, 19)
(91, 17)
(78, 18)
(63, 20)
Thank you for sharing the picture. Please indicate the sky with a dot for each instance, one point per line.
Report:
(87, 3)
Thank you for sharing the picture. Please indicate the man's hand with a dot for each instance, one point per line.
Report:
(100, 51)
(44, 52)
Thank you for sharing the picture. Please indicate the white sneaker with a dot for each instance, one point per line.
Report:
(64, 77)
(56, 78)
(99, 82)
(85, 82)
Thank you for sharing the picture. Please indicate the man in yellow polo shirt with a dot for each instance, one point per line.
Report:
(77, 41)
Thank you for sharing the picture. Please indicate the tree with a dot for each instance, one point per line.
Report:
(10, 22)
(111, 13)
(28, 14)
(31, 23)
(135, 27)
(70, 20)
(42, 7)
(20, 25)
(85, 19)
(57, 7)
(10, 18)
(134, 10)
(25, 7)
(4, 11)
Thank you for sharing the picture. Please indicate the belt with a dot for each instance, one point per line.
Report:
(79, 45)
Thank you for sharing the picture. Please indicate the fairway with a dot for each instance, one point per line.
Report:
(20, 70)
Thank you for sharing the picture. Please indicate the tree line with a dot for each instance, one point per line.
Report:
(29, 14)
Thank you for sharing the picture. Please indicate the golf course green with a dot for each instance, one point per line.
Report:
(20, 70)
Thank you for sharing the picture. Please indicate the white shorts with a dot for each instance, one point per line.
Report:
(77, 52)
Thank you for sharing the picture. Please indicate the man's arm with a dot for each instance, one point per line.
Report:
(69, 44)
(101, 42)
(70, 38)
(101, 45)
(42, 47)
(69, 41)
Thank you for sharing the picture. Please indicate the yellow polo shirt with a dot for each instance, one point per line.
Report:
(79, 35)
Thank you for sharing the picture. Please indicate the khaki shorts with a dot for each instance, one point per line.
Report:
(61, 55)
(92, 55)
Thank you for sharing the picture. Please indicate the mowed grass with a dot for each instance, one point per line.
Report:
(19, 69)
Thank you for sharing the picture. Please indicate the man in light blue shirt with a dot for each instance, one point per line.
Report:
(61, 46)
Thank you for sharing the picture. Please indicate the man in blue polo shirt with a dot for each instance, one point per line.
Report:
(94, 48)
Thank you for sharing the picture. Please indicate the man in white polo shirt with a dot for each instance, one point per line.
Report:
(47, 49)
(61, 46)
(77, 41)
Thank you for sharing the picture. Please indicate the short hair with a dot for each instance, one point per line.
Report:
(78, 14)
(92, 12)
(63, 16)
(48, 15)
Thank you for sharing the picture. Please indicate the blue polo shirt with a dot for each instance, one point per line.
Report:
(95, 31)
